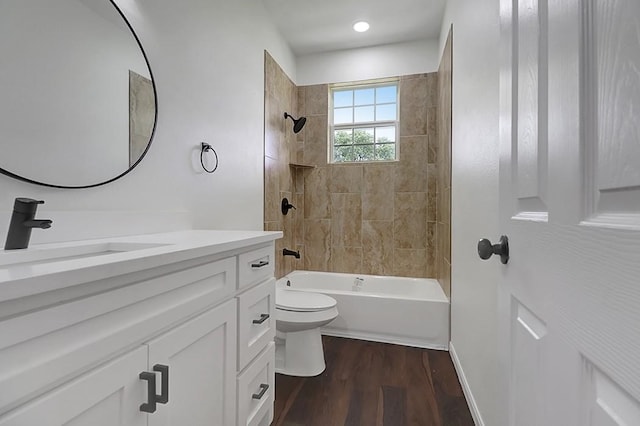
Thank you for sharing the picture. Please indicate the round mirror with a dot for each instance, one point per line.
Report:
(78, 107)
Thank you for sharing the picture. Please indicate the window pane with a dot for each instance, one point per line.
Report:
(361, 136)
(342, 137)
(342, 99)
(364, 96)
(343, 153)
(364, 114)
(364, 123)
(386, 112)
(386, 94)
(385, 134)
(342, 115)
(385, 152)
(363, 152)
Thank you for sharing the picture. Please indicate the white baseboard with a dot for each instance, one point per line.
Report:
(473, 407)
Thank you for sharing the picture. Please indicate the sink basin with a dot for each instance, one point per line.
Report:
(36, 255)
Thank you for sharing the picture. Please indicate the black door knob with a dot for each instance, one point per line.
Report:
(486, 249)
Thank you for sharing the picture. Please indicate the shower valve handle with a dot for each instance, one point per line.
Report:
(285, 206)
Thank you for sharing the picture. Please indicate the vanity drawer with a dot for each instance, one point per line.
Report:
(256, 390)
(255, 266)
(256, 321)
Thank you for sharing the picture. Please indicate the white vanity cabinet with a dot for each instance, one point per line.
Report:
(85, 354)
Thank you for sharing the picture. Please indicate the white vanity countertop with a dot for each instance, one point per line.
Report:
(27, 278)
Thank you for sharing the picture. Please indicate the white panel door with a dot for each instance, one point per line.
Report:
(110, 395)
(570, 205)
(201, 356)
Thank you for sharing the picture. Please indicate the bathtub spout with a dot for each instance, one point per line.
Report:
(287, 252)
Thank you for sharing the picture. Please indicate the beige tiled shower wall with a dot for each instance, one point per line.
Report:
(370, 218)
(280, 95)
(443, 252)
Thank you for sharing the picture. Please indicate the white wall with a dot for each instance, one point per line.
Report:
(207, 58)
(389, 60)
(475, 197)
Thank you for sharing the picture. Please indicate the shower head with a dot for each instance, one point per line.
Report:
(297, 124)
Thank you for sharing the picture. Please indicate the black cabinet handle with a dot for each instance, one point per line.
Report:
(263, 318)
(260, 264)
(152, 398)
(163, 398)
(150, 405)
(263, 390)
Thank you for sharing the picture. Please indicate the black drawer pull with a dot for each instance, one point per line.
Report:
(150, 405)
(163, 398)
(263, 390)
(263, 318)
(260, 264)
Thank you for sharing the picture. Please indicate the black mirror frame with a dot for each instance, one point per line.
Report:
(153, 131)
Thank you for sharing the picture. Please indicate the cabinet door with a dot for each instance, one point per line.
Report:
(201, 356)
(109, 395)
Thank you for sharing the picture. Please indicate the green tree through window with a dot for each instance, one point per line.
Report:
(358, 145)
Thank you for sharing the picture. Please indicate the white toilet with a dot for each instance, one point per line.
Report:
(299, 316)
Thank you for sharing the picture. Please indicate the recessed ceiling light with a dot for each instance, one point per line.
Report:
(361, 26)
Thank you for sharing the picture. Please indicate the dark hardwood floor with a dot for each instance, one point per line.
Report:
(371, 384)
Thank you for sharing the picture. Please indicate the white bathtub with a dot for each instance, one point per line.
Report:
(404, 311)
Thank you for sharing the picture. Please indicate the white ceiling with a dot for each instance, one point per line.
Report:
(313, 26)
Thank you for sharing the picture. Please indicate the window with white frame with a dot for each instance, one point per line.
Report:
(364, 122)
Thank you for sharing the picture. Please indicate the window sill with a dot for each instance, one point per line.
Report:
(356, 163)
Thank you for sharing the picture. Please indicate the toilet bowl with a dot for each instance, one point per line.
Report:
(299, 316)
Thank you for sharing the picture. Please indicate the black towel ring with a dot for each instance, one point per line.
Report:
(206, 147)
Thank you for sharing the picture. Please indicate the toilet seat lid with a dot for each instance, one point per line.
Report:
(303, 301)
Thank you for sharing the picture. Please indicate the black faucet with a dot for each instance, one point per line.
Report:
(22, 222)
(287, 252)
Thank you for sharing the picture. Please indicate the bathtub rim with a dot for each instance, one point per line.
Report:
(442, 297)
